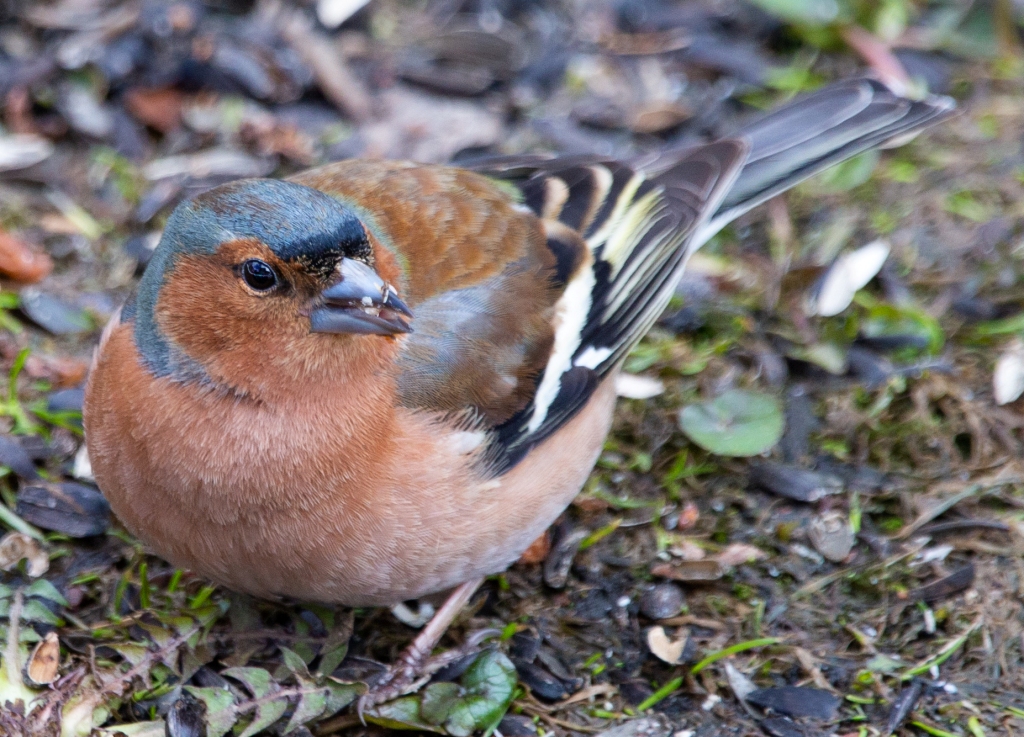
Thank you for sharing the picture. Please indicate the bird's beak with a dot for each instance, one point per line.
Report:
(361, 302)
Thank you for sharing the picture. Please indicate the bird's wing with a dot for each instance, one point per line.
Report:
(623, 234)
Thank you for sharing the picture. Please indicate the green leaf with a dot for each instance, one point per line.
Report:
(131, 652)
(340, 695)
(36, 611)
(257, 680)
(489, 684)
(310, 706)
(403, 713)
(737, 423)
(294, 662)
(885, 319)
(850, 173)
(479, 700)
(159, 635)
(439, 699)
(266, 714)
(331, 659)
(221, 714)
(45, 590)
(804, 12)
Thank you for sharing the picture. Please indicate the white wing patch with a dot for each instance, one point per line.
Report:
(592, 357)
(571, 312)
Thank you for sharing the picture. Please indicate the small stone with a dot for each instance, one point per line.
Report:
(830, 534)
(796, 701)
(73, 509)
(662, 601)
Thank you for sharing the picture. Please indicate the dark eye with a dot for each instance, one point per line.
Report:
(259, 275)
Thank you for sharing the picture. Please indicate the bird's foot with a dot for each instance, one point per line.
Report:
(413, 669)
(415, 666)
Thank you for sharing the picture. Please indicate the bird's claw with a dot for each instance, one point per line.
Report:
(413, 669)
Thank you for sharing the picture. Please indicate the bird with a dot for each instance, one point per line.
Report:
(377, 380)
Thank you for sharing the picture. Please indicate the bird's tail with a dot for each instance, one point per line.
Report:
(815, 131)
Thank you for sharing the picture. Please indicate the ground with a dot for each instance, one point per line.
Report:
(865, 573)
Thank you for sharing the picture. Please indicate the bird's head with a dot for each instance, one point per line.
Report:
(260, 273)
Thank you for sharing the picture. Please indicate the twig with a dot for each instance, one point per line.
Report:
(556, 722)
(11, 659)
(879, 56)
(335, 79)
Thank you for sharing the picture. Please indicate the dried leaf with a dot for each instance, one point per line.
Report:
(690, 570)
(637, 386)
(831, 535)
(43, 664)
(20, 262)
(1008, 377)
(737, 554)
(538, 550)
(850, 273)
(664, 647)
(332, 13)
(157, 108)
(23, 150)
(17, 546)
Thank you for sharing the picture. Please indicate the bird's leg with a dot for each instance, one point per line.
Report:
(409, 670)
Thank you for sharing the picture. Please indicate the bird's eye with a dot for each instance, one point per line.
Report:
(259, 275)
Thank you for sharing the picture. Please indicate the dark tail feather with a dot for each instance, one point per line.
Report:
(816, 131)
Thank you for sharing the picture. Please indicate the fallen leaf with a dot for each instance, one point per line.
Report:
(62, 372)
(737, 423)
(695, 570)
(688, 550)
(850, 273)
(664, 647)
(20, 262)
(17, 546)
(538, 550)
(332, 13)
(23, 150)
(737, 554)
(159, 108)
(43, 665)
(1008, 377)
(688, 517)
(636, 386)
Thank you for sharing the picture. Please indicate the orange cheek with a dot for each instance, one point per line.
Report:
(205, 310)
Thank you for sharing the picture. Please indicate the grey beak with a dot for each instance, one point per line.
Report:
(361, 303)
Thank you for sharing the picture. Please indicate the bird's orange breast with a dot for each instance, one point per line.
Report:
(329, 493)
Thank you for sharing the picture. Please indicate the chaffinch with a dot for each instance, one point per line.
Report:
(378, 380)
